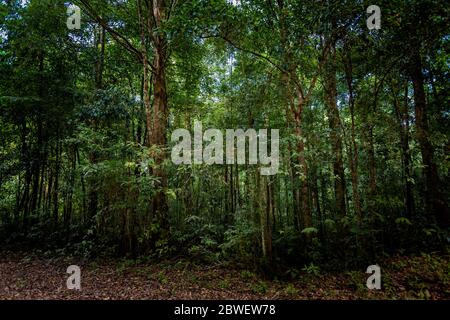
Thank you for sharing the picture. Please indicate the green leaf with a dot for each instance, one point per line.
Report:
(403, 220)
(309, 230)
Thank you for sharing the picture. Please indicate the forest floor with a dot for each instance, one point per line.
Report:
(32, 276)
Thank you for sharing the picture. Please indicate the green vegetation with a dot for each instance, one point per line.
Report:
(86, 118)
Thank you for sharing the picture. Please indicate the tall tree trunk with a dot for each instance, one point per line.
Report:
(160, 115)
(265, 209)
(36, 162)
(93, 192)
(305, 209)
(348, 66)
(56, 186)
(402, 116)
(434, 199)
(370, 149)
(372, 162)
(289, 77)
(316, 199)
(100, 58)
(231, 193)
(227, 201)
(335, 129)
(295, 192)
(147, 78)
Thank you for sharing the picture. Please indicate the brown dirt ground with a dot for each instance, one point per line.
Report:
(29, 276)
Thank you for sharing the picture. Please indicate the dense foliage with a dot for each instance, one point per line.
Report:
(86, 118)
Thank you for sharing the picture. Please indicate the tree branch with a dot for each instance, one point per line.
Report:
(116, 36)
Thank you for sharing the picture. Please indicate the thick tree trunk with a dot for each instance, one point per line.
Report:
(434, 199)
(289, 77)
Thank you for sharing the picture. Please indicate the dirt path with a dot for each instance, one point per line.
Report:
(28, 276)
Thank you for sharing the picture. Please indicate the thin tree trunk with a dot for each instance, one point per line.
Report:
(335, 130)
(402, 116)
(354, 158)
(372, 163)
(56, 186)
(160, 117)
(305, 209)
(147, 78)
(265, 219)
(100, 59)
(93, 192)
